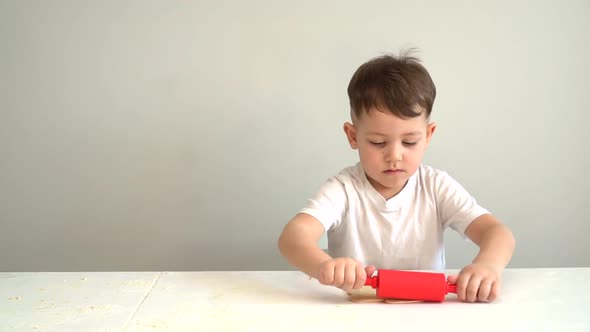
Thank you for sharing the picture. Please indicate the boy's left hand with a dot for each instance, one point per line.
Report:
(478, 282)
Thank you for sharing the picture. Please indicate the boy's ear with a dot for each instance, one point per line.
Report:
(430, 129)
(350, 132)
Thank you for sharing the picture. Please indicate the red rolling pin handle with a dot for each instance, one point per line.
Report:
(411, 285)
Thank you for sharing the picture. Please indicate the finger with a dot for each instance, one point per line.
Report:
(453, 279)
(327, 274)
(462, 282)
(473, 288)
(485, 288)
(370, 270)
(361, 277)
(349, 276)
(495, 291)
(339, 271)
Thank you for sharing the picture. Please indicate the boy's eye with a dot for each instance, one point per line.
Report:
(409, 143)
(377, 143)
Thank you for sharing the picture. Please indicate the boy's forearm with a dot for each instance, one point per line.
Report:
(306, 258)
(496, 247)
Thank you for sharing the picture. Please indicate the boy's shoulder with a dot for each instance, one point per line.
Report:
(431, 177)
(430, 172)
(350, 175)
(349, 179)
(351, 171)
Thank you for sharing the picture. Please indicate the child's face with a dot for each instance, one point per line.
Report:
(390, 148)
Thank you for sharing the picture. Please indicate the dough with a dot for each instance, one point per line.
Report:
(396, 301)
(368, 299)
(365, 294)
(368, 294)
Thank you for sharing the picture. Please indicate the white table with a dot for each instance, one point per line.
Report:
(531, 300)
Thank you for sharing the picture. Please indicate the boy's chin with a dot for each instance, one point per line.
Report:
(389, 184)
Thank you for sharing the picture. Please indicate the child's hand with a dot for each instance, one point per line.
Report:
(344, 273)
(478, 282)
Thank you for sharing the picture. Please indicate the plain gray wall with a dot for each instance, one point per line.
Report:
(183, 135)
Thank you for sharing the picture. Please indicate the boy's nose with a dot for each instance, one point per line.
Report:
(393, 154)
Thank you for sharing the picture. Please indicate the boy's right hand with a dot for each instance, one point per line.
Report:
(344, 273)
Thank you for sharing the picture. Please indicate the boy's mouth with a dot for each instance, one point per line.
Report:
(393, 171)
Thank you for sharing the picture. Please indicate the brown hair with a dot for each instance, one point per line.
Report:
(400, 85)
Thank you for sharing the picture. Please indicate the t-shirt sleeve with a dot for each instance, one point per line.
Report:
(329, 204)
(456, 207)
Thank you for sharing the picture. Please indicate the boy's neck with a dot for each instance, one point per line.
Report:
(386, 193)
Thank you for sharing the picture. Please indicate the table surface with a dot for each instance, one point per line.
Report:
(531, 300)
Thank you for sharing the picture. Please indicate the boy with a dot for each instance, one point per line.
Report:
(389, 211)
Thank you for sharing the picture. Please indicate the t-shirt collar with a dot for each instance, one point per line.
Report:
(396, 202)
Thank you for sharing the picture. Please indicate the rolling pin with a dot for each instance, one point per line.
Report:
(411, 285)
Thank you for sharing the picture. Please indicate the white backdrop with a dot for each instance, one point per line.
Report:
(183, 135)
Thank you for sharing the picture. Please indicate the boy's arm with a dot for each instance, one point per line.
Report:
(481, 280)
(298, 243)
(495, 241)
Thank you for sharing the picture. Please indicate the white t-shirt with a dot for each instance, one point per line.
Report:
(404, 232)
